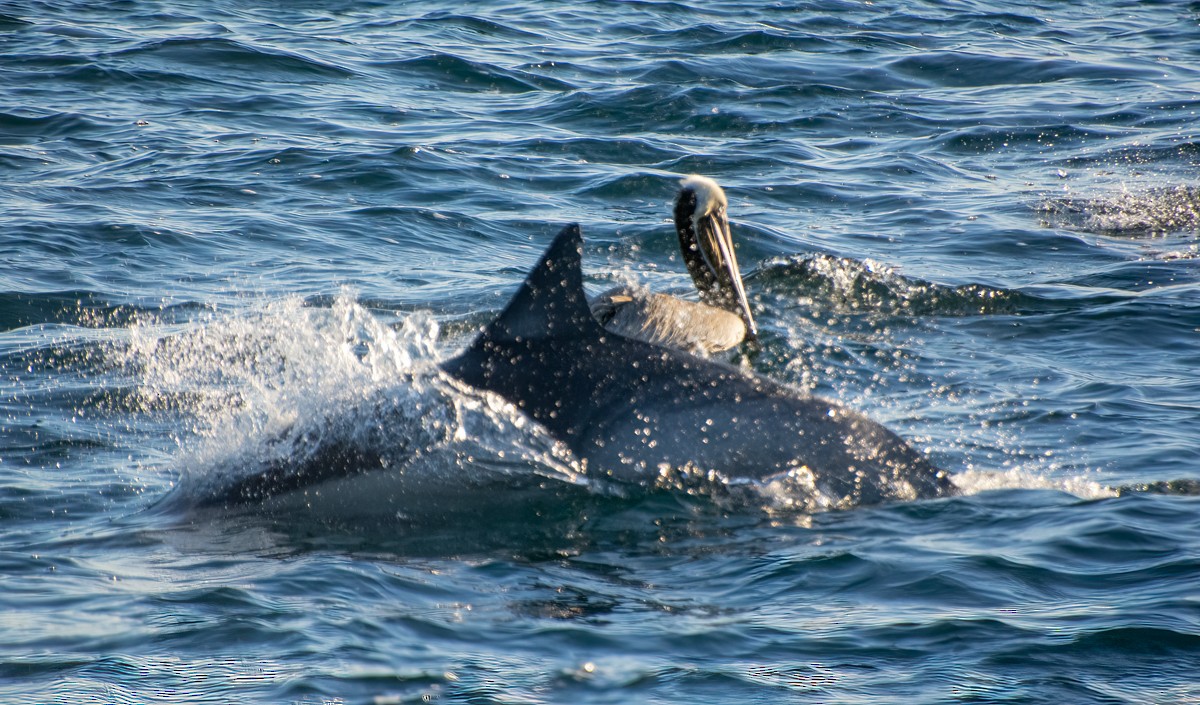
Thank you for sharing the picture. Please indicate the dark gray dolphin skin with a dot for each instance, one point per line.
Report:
(628, 408)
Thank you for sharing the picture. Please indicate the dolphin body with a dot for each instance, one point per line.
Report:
(629, 409)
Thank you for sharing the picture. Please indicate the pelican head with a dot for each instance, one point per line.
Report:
(707, 247)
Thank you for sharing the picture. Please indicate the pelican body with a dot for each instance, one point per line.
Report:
(722, 319)
(627, 408)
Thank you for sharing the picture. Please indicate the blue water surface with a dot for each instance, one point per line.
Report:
(235, 233)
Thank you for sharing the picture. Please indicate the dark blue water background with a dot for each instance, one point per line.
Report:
(223, 224)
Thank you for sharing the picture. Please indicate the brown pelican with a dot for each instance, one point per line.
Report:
(722, 319)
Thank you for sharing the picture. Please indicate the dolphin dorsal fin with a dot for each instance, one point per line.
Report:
(551, 303)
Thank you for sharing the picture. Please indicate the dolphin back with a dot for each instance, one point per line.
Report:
(627, 408)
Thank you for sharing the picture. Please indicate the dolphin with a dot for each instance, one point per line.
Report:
(629, 409)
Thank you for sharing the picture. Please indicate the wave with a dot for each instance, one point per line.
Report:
(1135, 213)
(965, 69)
(13, 22)
(711, 39)
(449, 25)
(37, 128)
(852, 285)
(229, 56)
(87, 309)
(448, 71)
(1188, 487)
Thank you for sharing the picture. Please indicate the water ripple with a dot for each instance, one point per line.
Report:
(235, 236)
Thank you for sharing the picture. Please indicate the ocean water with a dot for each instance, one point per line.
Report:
(233, 235)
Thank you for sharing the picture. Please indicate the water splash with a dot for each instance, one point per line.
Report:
(848, 285)
(1128, 212)
(290, 395)
(972, 482)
